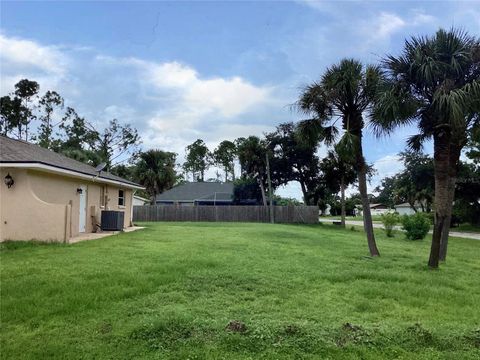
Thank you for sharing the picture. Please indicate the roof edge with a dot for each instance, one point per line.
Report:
(38, 165)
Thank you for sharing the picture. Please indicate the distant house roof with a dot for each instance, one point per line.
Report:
(376, 206)
(407, 205)
(198, 191)
(18, 153)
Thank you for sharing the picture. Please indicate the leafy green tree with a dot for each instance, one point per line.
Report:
(338, 174)
(467, 194)
(155, 169)
(435, 84)
(48, 103)
(252, 152)
(283, 201)
(198, 160)
(126, 171)
(415, 184)
(246, 192)
(12, 113)
(345, 91)
(78, 133)
(25, 90)
(115, 141)
(473, 144)
(386, 191)
(293, 160)
(224, 157)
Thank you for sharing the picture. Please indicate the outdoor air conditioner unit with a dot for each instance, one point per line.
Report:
(112, 220)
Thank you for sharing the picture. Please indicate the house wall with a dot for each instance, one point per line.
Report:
(45, 206)
(404, 210)
(140, 202)
(379, 211)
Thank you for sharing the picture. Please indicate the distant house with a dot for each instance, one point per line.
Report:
(375, 209)
(140, 201)
(46, 196)
(197, 193)
(407, 209)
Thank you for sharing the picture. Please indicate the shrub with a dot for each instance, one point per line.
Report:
(430, 216)
(389, 221)
(416, 226)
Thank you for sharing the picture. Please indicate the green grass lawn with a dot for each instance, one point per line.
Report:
(169, 291)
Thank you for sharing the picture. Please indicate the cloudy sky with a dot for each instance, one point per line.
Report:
(179, 71)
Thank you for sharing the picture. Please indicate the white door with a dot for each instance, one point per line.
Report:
(82, 221)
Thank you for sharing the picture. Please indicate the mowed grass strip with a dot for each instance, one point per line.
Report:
(169, 292)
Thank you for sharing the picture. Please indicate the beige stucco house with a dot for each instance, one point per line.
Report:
(49, 197)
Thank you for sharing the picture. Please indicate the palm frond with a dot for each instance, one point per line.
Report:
(415, 142)
(309, 132)
(314, 101)
(393, 107)
(348, 146)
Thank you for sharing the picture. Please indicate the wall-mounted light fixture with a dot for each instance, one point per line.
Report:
(9, 181)
(79, 190)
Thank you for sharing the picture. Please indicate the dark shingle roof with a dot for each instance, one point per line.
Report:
(17, 151)
(202, 191)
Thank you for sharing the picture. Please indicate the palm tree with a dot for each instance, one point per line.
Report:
(155, 170)
(343, 93)
(434, 84)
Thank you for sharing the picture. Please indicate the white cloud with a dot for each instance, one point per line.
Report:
(420, 18)
(189, 106)
(380, 27)
(227, 97)
(387, 24)
(387, 165)
(30, 54)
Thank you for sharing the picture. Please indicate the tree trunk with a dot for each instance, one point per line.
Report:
(304, 192)
(264, 198)
(367, 215)
(270, 192)
(342, 200)
(441, 164)
(454, 157)
(361, 168)
(446, 225)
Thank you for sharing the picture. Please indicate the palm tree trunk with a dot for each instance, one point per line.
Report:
(361, 168)
(446, 225)
(342, 200)
(453, 167)
(367, 215)
(442, 182)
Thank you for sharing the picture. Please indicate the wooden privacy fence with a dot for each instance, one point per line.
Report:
(283, 214)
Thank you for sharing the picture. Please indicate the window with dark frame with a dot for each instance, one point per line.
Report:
(121, 198)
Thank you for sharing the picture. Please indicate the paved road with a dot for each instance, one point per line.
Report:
(466, 235)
